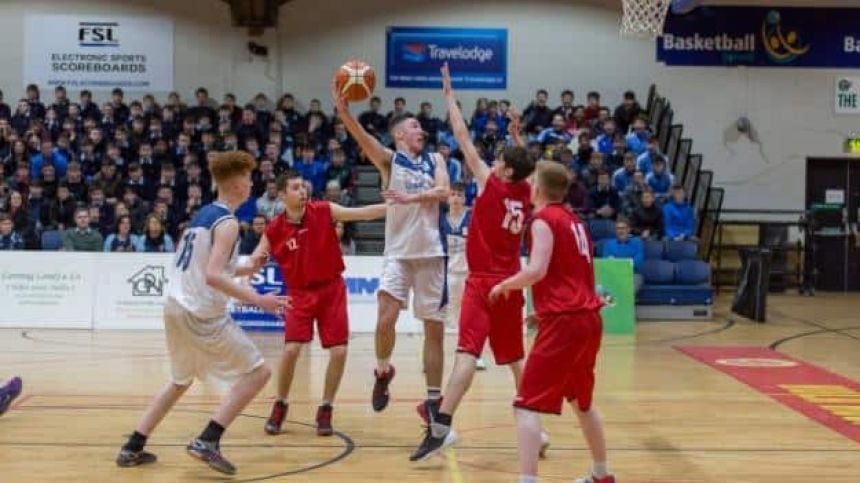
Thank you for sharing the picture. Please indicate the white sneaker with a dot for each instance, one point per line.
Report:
(480, 364)
(544, 445)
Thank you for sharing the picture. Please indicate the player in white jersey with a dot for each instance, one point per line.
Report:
(415, 183)
(202, 340)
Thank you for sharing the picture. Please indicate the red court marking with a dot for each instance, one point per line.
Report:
(830, 399)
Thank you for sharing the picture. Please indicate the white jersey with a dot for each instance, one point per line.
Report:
(412, 230)
(189, 288)
(456, 230)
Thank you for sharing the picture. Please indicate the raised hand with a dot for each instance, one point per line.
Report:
(446, 80)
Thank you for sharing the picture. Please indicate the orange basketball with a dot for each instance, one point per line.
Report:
(355, 80)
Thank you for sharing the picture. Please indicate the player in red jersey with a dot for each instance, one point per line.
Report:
(493, 254)
(304, 243)
(561, 363)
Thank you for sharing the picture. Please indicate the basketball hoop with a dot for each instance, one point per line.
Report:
(644, 18)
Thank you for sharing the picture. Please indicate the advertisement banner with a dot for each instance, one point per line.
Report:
(132, 290)
(47, 291)
(614, 278)
(762, 36)
(251, 317)
(846, 99)
(99, 53)
(478, 57)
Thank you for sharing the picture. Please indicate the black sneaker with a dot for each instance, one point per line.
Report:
(380, 388)
(276, 419)
(9, 393)
(431, 445)
(128, 458)
(210, 454)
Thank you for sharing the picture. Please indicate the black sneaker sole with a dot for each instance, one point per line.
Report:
(194, 454)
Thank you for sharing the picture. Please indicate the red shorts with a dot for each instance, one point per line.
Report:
(500, 322)
(325, 304)
(561, 363)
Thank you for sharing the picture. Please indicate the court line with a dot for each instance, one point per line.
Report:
(726, 326)
(453, 467)
(20, 402)
(779, 342)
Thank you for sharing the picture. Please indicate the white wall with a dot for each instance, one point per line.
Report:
(554, 44)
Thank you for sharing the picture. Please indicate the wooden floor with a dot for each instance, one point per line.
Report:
(669, 418)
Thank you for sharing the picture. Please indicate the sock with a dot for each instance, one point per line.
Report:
(212, 433)
(326, 404)
(434, 393)
(382, 366)
(135, 443)
(600, 470)
(441, 426)
(283, 401)
(528, 479)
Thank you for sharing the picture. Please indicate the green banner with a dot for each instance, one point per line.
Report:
(614, 278)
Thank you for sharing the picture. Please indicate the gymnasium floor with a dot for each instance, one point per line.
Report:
(670, 417)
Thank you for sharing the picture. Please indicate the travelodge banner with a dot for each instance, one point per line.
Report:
(762, 36)
(478, 57)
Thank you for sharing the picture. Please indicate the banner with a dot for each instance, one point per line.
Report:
(614, 278)
(478, 57)
(846, 98)
(99, 53)
(50, 292)
(762, 36)
(131, 290)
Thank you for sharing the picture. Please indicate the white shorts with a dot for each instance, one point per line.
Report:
(214, 349)
(425, 277)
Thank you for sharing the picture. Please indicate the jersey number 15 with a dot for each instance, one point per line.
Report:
(514, 217)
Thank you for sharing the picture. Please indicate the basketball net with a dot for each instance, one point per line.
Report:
(644, 18)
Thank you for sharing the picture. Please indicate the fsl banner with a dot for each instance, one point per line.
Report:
(99, 53)
(478, 57)
(762, 36)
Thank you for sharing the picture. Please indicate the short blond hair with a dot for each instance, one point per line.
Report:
(230, 164)
(552, 178)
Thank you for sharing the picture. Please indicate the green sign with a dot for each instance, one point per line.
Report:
(614, 278)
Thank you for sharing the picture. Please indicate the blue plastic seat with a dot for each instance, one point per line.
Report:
(654, 250)
(677, 251)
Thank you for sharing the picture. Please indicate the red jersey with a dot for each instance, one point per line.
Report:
(495, 231)
(569, 282)
(308, 252)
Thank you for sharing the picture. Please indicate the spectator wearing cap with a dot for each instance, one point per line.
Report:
(9, 238)
(48, 155)
(82, 238)
(646, 160)
(647, 219)
(659, 180)
(627, 112)
(623, 176)
(678, 216)
(625, 245)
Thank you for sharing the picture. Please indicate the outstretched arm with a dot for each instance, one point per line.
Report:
(535, 269)
(477, 165)
(378, 154)
(362, 213)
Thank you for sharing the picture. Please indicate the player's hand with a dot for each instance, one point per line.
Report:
(340, 102)
(273, 304)
(258, 261)
(446, 80)
(531, 321)
(399, 197)
(498, 291)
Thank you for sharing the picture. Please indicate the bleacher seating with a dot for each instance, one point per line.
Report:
(676, 284)
(52, 240)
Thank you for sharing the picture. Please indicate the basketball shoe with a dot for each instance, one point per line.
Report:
(380, 388)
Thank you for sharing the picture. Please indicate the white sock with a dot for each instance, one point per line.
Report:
(528, 479)
(284, 400)
(600, 470)
(382, 366)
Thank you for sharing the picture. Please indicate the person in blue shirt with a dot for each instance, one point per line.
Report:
(659, 180)
(605, 142)
(637, 140)
(48, 155)
(646, 159)
(455, 168)
(678, 216)
(312, 170)
(556, 132)
(623, 176)
(625, 245)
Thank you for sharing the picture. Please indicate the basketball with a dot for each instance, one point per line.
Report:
(355, 80)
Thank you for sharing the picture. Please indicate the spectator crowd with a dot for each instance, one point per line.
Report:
(129, 176)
